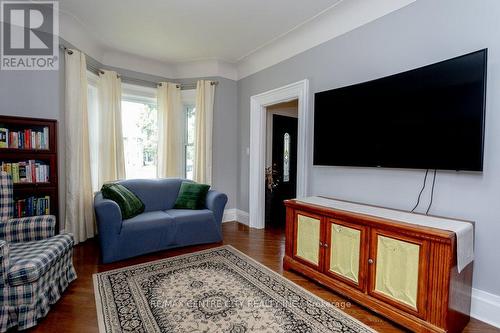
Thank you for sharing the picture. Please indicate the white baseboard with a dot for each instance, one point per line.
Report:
(229, 215)
(485, 307)
(235, 215)
(242, 216)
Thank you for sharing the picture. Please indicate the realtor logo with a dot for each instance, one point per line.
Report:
(29, 38)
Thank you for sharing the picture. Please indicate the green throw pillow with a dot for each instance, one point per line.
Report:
(130, 204)
(191, 196)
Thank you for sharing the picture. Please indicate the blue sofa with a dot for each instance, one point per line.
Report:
(161, 226)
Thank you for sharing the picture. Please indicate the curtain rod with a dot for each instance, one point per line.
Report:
(96, 70)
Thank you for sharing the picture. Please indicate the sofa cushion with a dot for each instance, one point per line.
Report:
(190, 215)
(147, 232)
(157, 194)
(191, 196)
(130, 205)
(148, 221)
(194, 226)
(30, 260)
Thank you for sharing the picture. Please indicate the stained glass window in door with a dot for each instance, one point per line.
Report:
(286, 158)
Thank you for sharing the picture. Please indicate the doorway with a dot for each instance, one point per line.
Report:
(257, 159)
(281, 160)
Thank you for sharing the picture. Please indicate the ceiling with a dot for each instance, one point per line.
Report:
(191, 30)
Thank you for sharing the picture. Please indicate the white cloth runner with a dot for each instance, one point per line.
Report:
(463, 230)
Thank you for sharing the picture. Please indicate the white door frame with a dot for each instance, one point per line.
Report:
(258, 103)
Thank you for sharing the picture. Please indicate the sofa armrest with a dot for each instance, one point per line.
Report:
(108, 216)
(4, 262)
(26, 229)
(216, 201)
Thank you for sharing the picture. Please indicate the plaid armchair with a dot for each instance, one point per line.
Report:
(35, 264)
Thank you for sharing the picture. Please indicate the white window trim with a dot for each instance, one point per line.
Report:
(139, 94)
(188, 99)
(92, 78)
(93, 82)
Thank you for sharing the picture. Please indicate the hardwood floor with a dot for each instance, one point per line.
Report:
(76, 311)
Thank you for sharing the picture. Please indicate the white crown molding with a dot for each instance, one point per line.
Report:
(138, 64)
(339, 19)
(206, 68)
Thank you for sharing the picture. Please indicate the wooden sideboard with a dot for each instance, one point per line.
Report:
(405, 272)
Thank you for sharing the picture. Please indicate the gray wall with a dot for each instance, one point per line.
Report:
(422, 33)
(225, 148)
(30, 93)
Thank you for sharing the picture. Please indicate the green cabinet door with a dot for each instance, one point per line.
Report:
(308, 233)
(397, 270)
(345, 251)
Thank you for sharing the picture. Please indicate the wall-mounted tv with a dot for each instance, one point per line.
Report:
(426, 118)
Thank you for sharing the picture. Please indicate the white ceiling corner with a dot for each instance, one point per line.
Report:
(73, 31)
(245, 38)
(347, 15)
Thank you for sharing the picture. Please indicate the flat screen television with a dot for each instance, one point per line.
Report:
(426, 118)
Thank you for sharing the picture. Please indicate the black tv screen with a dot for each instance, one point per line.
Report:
(427, 118)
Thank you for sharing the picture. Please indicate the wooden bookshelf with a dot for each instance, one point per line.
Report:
(47, 156)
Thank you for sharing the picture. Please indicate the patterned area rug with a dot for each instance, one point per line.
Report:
(216, 290)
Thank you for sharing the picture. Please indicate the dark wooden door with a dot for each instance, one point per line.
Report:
(285, 163)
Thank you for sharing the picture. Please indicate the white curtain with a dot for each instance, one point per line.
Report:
(79, 218)
(205, 92)
(111, 155)
(170, 131)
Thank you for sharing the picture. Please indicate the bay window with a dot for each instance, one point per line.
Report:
(139, 112)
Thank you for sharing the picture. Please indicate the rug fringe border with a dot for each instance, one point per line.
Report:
(98, 303)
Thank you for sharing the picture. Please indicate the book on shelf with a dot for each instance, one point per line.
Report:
(32, 206)
(25, 139)
(4, 138)
(30, 171)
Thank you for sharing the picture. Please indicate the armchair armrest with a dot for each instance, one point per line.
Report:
(26, 229)
(216, 201)
(4, 262)
(108, 216)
